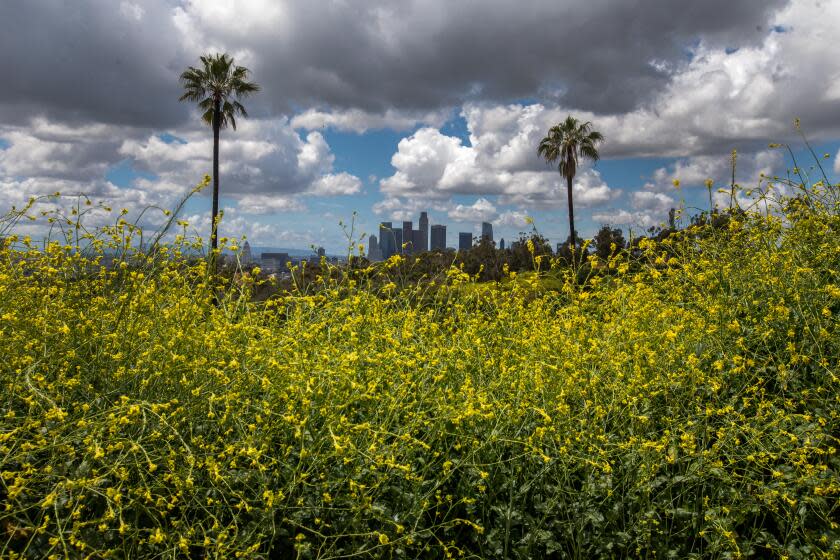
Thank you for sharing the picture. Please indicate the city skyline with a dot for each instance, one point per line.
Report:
(406, 240)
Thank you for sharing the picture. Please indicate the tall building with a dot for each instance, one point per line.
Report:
(464, 241)
(424, 233)
(321, 252)
(438, 237)
(398, 241)
(487, 231)
(502, 244)
(408, 236)
(245, 257)
(387, 241)
(374, 253)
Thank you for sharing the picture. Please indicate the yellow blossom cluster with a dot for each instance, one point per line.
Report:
(683, 403)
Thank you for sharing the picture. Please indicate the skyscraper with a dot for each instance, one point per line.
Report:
(438, 237)
(387, 241)
(464, 241)
(502, 244)
(374, 253)
(245, 258)
(398, 241)
(408, 237)
(487, 231)
(424, 233)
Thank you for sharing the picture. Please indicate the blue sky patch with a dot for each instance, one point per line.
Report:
(123, 174)
(171, 138)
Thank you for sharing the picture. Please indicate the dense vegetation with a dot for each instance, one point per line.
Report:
(682, 402)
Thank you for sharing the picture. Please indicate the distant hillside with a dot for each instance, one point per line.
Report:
(256, 250)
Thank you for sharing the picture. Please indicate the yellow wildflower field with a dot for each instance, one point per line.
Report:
(682, 402)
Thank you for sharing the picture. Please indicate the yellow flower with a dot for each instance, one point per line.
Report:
(157, 537)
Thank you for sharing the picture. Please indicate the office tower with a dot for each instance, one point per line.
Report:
(321, 252)
(387, 243)
(398, 241)
(374, 253)
(487, 231)
(464, 241)
(245, 257)
(502, 244)
(424, 233)
(438, 237)
(408, 237)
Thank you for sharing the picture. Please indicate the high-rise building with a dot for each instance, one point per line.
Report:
(245, 258)
(465, 241)
(387, 241)
(374, 253)
(502, 243)
(321, 252)
(408, 236)
(487, 231)
(398, 241)
(424, 233)
(438, 237)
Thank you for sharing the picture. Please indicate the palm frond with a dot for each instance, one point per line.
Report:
(239, 109)
(596, 137)
(243, 89)
(588, 150)
(207, 116)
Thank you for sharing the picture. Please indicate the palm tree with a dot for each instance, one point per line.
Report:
(216, 86)
(568, 142)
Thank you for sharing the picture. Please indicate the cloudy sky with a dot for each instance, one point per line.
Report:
(390, 107)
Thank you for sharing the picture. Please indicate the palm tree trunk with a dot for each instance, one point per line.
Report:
(571, 214)
(214, 217)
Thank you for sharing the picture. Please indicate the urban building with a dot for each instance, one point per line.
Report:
(408, 236)
(321, 252)
(423, 245)
(274, 262)
(387, 240)
(465, 241)
(374, 254)
(398, 241)
(245, 257)
(487, 231)
(502, 243)
(415, 241)
(438, 237)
